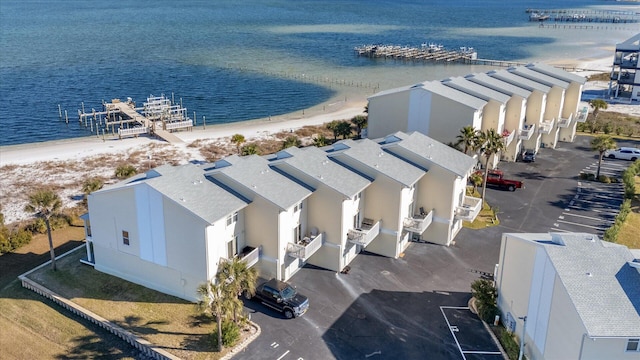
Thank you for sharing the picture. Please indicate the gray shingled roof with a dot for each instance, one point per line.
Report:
(317, 167)
(254, 175)
(517, 80)
(538, 77)
(431, 151)
(477, 90)
(498, 85)
(603, 287)
(187, 186)
(375, 161)
(557, 73)
(463, 98)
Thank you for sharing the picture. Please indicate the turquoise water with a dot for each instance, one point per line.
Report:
(238, 60)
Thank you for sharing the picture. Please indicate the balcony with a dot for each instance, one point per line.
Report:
(508, 137)
(470, 208)
(565, 122)
(303, 249)
(527, 132)
(546, 126)
(418, 223)
(582, 115)
(250, 255)
(364, 234)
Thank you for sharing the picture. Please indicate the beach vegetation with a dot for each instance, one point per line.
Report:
(320, 141)
(360, 122)
(344, 129)
(250, 149)
(125, 171)
(90, 185)
(44, 204)
(602, 143)
(334, 127)
(291, 141)
(238, 140)
(11, 239)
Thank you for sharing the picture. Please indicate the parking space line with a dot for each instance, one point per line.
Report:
(283, 355)
(451, 330)
(556, 229)
(484, 352)
(584, 217)
(582, 225)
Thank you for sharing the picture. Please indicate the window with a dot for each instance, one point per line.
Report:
(633, 345)
(231, 246)
(298, 207)
(358, 196)
(125, 237)
(297, 233)
(232, 218)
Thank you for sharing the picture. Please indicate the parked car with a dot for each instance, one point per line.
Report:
(529, 156)
(282, 297)
(624, 153)
(496, 178)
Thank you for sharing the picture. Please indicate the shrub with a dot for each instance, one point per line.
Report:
(9, 241)
(125, 171)
(604, 179)
(611, 234)
(587, 176)
(230, 334)
(486, 295)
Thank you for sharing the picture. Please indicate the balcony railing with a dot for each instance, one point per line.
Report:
(365, 233)
(469, 209)
(527, 132)
(303, 249)
(546, 126)
(418, 223)
(250, 255)
(133, 131)
(509, 138)
(565, 122)
(581, 116)
(179, 125)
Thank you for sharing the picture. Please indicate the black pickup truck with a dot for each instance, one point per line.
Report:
(282, 297)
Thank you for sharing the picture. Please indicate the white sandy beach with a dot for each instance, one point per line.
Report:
(65, 164)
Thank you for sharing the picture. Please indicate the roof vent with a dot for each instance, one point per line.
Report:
(589, 274)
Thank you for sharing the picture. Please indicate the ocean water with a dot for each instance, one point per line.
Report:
(246, 59)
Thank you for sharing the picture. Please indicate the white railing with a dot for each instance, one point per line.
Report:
(582, 115)
(251, 258)
(565, 122)
(527, 132)
(304, 248)
(546, 126)
(179, 125)
(509, 138)
(469, 209)
(133, 131)
(365, 234)
(418, 223)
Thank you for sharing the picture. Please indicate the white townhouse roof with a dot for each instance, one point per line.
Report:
(318, 169)
(556, 73)
(187, 186)
(519, 81)
(498, 85)
(255, 176)
(538, 77)
(631, 44)
(374, 160)
(429, 151)
(391, 91)
(458, 96)
(477, 90)
(601, 279)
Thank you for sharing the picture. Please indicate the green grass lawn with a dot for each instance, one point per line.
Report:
(628, 234)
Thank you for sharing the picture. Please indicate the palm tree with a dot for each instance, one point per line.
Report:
(215, 300)
(291, 141)
(124, 171)
(239, 277)
(468, 138)
(91, 185)
(476, 180)
(597, 104)
(491, 144)
(238, 139)
(602, 143)
(250, 149)
(320, 141)
(360, 122)
(333, 126)
(344, 129)
(45, 203)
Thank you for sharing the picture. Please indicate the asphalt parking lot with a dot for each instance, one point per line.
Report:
(415, 307)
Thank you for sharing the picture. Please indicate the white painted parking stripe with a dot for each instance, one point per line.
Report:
(283, 355)
(612, 211)
(583, 225)
(556, 229)
(483, 352)
(452, 334)
(584, 217)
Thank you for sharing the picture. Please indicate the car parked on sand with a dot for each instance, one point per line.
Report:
(624, 153)
(282, 297)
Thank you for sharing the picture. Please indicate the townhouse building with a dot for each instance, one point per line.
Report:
(625, 73)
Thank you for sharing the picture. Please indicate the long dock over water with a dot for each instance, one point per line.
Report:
(158, 116)
(584, 16)
(426, 53)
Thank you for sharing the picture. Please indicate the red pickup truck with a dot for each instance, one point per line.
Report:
(496, 178)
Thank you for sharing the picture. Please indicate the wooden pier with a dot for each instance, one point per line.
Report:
(159, 116)
(425, 53)
(584, 16)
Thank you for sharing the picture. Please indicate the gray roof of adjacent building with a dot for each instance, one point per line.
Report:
(187, 186)
(630, 45)
(376, 161)
(468, 87)
(498, 85)
(314, 163)
(556, 73)
(538, 77)
(432, 152)
(598, 277)
(255, 175)
(520, 81)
